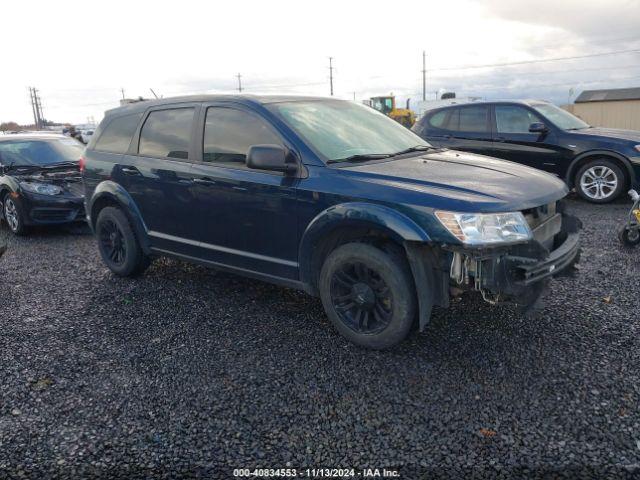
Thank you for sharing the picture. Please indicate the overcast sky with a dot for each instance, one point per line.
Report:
(80, 55)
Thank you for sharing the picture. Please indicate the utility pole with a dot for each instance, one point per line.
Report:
(33, 107)
(331, 74)
(39, 108)
(424, 75)
(239, 83)
(122, 90)
(36, 106)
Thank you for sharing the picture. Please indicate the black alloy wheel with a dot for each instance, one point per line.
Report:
(368, 294)
(112, 242)
(118, 245)
(361, 298)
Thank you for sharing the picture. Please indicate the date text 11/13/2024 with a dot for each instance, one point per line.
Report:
(316, 473)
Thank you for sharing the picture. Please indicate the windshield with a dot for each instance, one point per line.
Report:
(560, 118)
(338, 130)
(39, 152)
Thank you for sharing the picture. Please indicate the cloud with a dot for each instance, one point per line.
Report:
(591, 18)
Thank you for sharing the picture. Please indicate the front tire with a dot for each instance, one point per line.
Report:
(368, 295)
(14, 215)
(600, 181)
(118, 245)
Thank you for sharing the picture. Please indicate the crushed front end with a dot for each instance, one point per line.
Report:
(52, 197)
(517, 273)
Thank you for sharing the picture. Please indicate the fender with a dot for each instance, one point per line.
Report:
(355, 214)
(571, 171)
(115, 193)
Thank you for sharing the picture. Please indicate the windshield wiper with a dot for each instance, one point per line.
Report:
(19, 167)
(360, 157)
(417, 148)
(33, 168)
(70, 163)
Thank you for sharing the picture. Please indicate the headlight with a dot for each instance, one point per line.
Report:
(486, 228)
(41, 188)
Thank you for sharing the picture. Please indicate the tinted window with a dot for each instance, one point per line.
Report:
(561, 118)
(229, 133)
(474, 119)
(454, 119)
(437, 119)
(514, 119)
(40, 152)
(167, 133)
(117, 135)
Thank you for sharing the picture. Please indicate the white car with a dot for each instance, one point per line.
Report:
(85, 136)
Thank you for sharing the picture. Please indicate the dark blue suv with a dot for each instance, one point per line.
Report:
(326, 196)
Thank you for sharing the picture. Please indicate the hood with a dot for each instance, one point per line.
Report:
(465, 182)
(617, 133)
(68, 179)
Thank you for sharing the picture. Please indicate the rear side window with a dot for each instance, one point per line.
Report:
(118, 133)
(454, 119)
(229, 133)
(438, 119)
(167, 134)
(474, 119)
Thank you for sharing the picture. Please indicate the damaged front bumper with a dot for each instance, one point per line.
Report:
(517, 273)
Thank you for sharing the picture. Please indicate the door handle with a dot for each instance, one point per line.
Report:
(130, 171)
(204, 181)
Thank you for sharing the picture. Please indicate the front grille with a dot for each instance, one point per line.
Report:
(538, 215)
(53, 214)
(545, 223)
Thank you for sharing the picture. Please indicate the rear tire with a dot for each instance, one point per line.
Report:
(600, 181)
(118, 245)
(368, 295)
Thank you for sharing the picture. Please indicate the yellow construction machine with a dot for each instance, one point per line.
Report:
(387, 105)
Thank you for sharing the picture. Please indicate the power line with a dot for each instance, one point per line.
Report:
(515, 87)
(542, 60)
(552, 72)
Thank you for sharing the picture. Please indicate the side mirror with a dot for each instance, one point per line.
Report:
(270, 157)
(538, 127)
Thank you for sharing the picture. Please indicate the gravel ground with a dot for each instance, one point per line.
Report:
(189, 372)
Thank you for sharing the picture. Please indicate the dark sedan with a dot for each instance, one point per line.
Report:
(599, 163)
(40, 181)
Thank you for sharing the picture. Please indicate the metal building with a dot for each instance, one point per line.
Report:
(614, 108)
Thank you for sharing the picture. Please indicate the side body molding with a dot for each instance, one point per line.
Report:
(111, 192)
(354, 214)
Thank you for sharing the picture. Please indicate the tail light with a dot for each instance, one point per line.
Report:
(81, 163)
